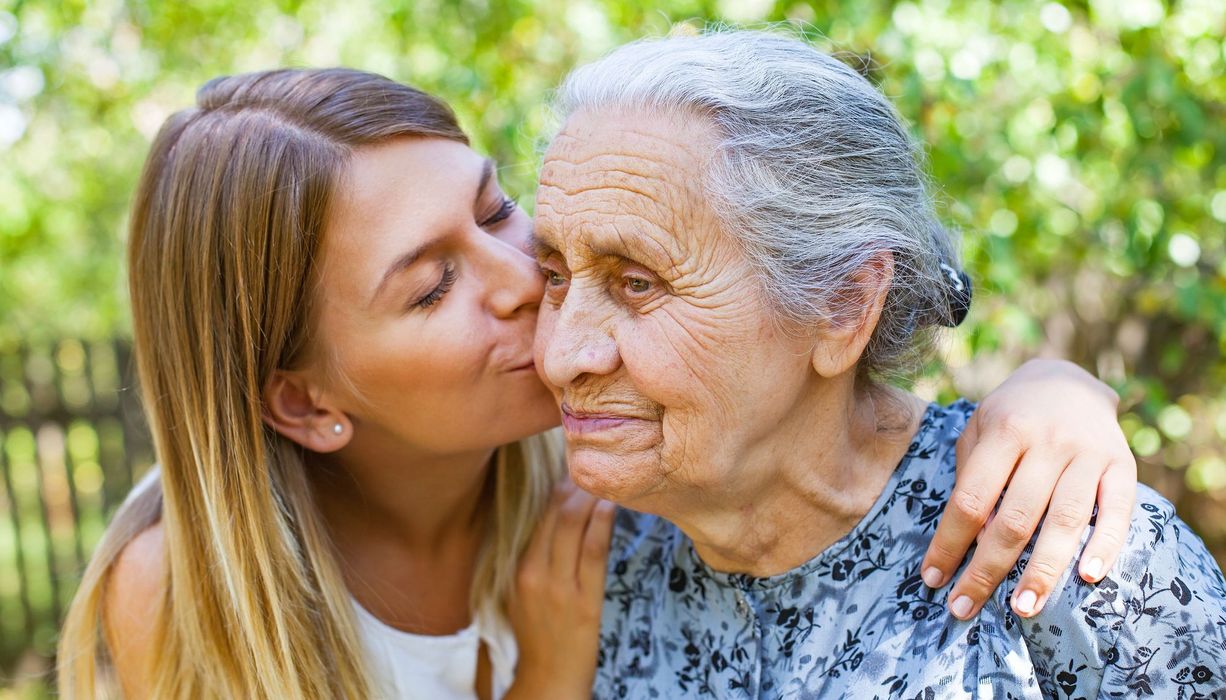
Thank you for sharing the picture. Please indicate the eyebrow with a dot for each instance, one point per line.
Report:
(630, 247)
(406, 260)
(539, 246)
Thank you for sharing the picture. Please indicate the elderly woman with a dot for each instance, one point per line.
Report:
(738, 248)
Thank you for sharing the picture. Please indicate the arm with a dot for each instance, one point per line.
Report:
(559, 592)
(1051, 431)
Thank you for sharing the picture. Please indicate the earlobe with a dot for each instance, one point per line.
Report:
(303, 415)
(827, 357)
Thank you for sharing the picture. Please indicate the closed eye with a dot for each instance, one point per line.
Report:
(444, 285)
(505, 210)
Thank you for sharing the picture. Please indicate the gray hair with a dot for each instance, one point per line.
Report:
(815, 174)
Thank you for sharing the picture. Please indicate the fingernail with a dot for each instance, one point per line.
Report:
(933, 577)
(961, 607)
(1094, 568)
(1038, 607)
(1025, 602)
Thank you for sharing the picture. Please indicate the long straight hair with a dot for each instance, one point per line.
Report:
(226, 224)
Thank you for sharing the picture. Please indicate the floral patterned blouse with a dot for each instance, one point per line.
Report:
(857, 622)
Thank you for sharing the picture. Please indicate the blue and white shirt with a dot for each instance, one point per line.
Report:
(857, 622)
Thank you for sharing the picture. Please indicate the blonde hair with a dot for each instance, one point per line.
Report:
(226, 223)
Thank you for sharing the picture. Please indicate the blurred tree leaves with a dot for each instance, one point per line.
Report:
(1079, 146)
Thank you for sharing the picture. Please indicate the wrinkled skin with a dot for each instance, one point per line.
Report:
(680, 392)
(658, 326)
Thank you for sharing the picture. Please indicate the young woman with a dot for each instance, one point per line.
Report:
(333, 311)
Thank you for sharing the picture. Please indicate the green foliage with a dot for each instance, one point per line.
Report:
(1079, 147)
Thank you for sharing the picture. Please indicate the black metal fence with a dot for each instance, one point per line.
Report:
(72, 440)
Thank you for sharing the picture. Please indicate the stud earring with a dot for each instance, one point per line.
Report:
(338, 429)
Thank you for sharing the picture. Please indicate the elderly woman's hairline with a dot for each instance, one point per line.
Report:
(805, 145)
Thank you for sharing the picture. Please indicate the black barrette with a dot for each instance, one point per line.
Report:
(959, 290)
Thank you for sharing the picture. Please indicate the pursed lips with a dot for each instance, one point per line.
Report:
(512, 362)
(584, 421)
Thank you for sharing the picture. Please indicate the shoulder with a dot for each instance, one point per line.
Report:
(640, 560)
(1155, 624)
(929, 467)
(139, 571)
(1161, 547)
(132, 600)
(946, 423)
(939, 429)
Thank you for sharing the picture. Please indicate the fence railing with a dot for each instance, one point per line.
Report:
(72, 440)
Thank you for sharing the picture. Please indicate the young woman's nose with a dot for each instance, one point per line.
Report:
(513, 279)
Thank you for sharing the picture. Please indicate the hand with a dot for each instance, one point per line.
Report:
(1050, 430)
(559, 592)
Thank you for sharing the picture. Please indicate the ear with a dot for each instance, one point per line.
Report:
(842, 341)
(300, 411)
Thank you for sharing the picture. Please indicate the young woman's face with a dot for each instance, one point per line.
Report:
(428, 301)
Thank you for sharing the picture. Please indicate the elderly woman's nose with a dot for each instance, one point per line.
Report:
(576, 344)
(513, 278)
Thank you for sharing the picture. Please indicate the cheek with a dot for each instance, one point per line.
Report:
(688, 358)
(546, 318)
(721, 379)
(409, 367)
(431, 385)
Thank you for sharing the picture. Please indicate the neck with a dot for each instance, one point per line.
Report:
(805, 485)
(417, 502)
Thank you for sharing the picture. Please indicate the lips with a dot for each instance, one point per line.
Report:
(579, 422)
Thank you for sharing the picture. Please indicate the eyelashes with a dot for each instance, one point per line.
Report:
(504, 211)
(444, 285)
(448, 279)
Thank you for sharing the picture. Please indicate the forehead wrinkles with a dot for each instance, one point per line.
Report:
(634, 159)
(617, 181)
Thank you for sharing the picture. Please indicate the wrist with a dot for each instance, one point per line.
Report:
(1044, 368)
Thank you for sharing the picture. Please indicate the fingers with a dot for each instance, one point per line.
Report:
(981, 478)
(1060, 536)
(1005, 537)
(1116, 497)
(536, 555)
(595, 551)
(573, 517)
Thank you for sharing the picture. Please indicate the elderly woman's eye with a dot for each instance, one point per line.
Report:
(638, 285)
(553, 278)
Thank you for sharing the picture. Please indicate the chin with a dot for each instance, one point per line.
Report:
(619, 478)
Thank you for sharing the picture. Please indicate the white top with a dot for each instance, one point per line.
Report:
(407, 666)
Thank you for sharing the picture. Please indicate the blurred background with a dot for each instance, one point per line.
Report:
(1079, 146)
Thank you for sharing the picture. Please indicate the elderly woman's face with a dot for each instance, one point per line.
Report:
(653, 334)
